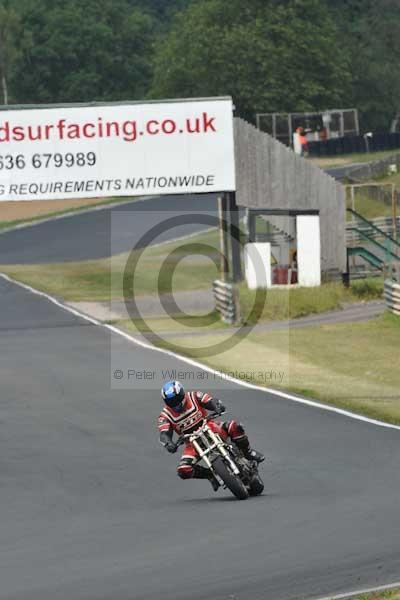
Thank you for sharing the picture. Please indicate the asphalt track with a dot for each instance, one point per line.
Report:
(91, 508)
(90, 505)
(90, 235)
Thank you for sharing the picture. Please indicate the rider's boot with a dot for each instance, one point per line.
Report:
(200, 472)
(244, 445)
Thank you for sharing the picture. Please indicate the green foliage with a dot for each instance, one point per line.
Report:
(9, 32)
(268, 55)
(73, 51)
(161, 9)
(367, 289)
(370, 32)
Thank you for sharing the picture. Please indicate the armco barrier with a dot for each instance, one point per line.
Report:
(392, 296)
(226, 301)
(374, 169)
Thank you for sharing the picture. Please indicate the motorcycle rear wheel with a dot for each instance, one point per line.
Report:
(232, 482)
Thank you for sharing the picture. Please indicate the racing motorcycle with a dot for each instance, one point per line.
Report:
(225, 460)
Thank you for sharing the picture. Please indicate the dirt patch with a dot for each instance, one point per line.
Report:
(15, 211)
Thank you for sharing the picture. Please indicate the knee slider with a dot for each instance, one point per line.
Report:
(185, 469)
(185, 472)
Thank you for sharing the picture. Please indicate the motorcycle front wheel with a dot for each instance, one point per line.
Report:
(232, 482)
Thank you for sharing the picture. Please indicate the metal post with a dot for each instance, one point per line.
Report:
(357, 121)
(290, 124)
(341, 124)
(394, 211)
(237, 274)
(353, 206)
(251, 226)
(346, 276)
(223, 237)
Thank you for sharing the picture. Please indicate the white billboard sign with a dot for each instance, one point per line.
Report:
(117, 150)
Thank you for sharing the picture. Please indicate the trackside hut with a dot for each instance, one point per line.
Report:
(273, 178)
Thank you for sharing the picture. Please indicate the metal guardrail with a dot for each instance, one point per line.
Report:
(226, 301)
(391, 293)
(371, 170)
(391, 290)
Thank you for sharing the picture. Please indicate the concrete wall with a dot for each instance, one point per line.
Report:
(269, 175)
(257, 264)
(308, 251)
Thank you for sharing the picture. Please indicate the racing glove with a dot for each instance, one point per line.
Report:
(166, 441)
(171, 447)
(216, 406)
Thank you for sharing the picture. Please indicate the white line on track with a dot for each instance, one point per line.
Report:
(382, 588)
(199, 365)
(137, 342)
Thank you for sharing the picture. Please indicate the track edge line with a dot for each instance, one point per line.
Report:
(190, 361)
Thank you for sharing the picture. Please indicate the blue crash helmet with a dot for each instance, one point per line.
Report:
(173, 395)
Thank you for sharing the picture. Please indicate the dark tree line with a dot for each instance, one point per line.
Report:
(270, 55)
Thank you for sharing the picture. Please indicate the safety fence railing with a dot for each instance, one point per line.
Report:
(227, 301)
(385, 224)
(373, 244)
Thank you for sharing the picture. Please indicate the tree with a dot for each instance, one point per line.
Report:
(269, 55)
(163, 9)
(73, 51)
(370, 33)
(9, 31)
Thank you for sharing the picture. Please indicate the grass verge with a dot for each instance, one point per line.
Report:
(352, 365)
(282, 304)
(368, 206)
(328, 162)
(349, 365)
(102, 280)
(389, 595)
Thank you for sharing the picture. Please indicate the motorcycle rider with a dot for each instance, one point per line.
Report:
(182, 414)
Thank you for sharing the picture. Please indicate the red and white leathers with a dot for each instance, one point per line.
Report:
(195, 408)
